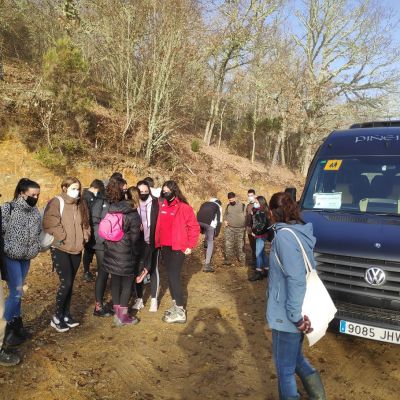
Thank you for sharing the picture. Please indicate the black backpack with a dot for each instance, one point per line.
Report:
(261, 223)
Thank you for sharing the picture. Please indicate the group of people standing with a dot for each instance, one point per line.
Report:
(128, 229)
(239, 220)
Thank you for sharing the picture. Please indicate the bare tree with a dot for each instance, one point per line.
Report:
(349, 55)
(234, 29)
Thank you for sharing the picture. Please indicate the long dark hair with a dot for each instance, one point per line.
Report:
(284, 208)
(23, 186)
(263, 203)
(174, 188)
(65, 184)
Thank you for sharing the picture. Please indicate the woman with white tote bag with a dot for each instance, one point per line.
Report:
(286, 293)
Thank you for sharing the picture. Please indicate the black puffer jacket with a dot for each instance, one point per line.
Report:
(122, 258)
(98, 211)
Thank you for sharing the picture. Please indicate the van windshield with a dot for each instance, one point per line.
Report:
(362, 184)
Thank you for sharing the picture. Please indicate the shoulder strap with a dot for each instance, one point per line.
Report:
(62, 203)
(243, 207)
(307, 263)
(11, 206)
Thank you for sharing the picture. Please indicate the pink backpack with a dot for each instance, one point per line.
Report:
(110, 227)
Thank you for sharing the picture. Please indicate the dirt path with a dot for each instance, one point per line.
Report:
(222, 352)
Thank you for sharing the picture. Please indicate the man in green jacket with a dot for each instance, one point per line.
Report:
(235, 226)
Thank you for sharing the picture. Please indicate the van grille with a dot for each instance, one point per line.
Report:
(346, 274)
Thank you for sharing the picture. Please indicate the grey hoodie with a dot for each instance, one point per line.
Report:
(286, 290)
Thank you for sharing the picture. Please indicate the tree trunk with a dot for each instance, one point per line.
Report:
(306, 159)
(276, 150)
(220, 125)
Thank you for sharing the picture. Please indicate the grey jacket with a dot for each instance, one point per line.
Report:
(21, 226)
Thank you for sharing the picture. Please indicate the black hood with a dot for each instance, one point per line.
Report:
(121, 207)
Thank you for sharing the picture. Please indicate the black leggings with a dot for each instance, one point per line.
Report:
(102, 277)
(173, 261)
(121, 289)
(87, 259)
(66, 266)
(154, 277)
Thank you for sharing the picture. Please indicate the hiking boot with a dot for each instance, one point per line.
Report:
(257, 276)
(8, 359)
(138, 304)
(208, 268)
(88, 277)
(124, 318)
(314, 386)
(59, 325)
(71, 323)
(178, 316)
(20, 330)
(101, 311)
(11, 339)
(153, 305)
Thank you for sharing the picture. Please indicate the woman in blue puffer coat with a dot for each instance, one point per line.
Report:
(286, 291)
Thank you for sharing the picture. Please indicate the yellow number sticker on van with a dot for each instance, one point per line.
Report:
(333, 165)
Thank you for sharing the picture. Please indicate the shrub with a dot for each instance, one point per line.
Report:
(195, 146)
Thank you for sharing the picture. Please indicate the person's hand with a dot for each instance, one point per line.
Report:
(304, 325)
(253, 234)
(188, 251)
(141, 227)
(142, 275)
(226, 223)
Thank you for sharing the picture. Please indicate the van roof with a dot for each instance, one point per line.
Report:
(376, 124)
(362, 141)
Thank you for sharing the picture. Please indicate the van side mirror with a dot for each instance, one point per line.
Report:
(292, 192)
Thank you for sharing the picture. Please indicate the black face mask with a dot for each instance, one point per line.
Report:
(169, 196)
(144, 196)
(31, 201)
(232, 203)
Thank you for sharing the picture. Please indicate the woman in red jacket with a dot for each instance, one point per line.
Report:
(177, 232)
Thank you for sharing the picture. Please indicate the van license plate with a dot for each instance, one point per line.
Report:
(369, 332)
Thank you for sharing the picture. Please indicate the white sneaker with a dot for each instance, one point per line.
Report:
(153, 305)
(138, 304)
(171, 309)
(178, 316)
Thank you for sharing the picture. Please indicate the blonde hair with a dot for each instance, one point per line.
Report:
(133, 196)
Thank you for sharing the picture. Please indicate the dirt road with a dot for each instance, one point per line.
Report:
(223, 352)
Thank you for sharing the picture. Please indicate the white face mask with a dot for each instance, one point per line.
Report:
(251, 199)
(73, 193)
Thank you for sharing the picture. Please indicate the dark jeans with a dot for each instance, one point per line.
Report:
(289, 360)
(154, 276)
(102, 277)
(173, 261)
(121, 289)
(16, 274)
(66, 266)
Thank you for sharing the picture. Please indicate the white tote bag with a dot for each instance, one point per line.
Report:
(317, 304)
(45, 239)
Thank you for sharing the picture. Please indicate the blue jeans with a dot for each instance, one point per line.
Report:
(289, 360)
(16, 274)
(261, 256)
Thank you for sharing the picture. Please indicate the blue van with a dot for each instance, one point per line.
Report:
(352, 197)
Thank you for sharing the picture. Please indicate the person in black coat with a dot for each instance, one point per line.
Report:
(209, 218)
(121, 258)
(90, 196)
(148, 210)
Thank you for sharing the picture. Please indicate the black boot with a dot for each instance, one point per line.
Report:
(257, 276)
(8, 359)
(314, 386)
(20, 330)
(11, 339)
